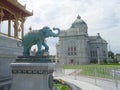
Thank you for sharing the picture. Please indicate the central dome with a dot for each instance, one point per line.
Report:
(78, 23)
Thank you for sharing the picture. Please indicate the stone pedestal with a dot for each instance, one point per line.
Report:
(32, 76)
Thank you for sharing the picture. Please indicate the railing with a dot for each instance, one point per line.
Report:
(117, 77)
(108, 78)
(104, 76)
(5, 78)
(9, 36)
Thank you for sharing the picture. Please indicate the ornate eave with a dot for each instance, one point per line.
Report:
(20, 7)
(13, 7)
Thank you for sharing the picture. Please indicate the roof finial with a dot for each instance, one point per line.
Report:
(98, 34)
(30, 28)
(78, 17)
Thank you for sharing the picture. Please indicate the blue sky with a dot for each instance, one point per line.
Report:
(101, 16)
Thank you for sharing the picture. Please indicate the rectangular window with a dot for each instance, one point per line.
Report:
(68, 53)
(91, 53)
(68, 49)
(96, 53)
(104, 53)
(72, 51)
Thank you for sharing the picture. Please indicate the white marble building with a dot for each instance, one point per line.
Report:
(76, 47)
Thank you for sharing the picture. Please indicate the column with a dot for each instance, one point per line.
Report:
(16, 28)
(22, 27)
(9, 28)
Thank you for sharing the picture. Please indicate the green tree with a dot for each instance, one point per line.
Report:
(115, 61)
(105, 61)
(111, 54)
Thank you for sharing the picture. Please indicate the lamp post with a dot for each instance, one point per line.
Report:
(98, 58)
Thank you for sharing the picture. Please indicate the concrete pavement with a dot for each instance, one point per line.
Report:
(72, 79)
(80, 84)
(106, 84)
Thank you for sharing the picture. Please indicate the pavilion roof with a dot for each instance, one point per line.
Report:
(15, 7)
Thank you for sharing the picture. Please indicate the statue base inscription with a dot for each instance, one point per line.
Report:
(30, 75)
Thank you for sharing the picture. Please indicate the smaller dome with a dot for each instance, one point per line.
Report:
(78, 22)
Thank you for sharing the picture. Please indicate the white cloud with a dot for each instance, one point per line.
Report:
(101, 16)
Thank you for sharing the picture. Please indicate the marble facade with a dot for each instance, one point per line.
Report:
(75, 46)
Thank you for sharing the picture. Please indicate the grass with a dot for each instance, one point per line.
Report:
(69, 66)
(102, 71)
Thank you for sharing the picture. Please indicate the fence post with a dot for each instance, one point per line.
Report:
(95, 74)
(116, 77)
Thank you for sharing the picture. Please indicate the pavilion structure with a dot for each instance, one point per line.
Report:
(13, 16)
(13, 11)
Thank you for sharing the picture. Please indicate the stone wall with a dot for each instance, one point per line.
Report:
(8, 52)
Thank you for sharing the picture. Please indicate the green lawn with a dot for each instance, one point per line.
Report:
(90, 65)
(103, 71)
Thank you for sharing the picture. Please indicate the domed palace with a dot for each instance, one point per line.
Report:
(76, 47)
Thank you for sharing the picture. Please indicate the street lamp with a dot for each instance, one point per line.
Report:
(98, 58)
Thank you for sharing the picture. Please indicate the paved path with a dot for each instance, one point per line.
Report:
(78, 83)
(88, 83)
(82, 85)
(73, 86)
(106, 84)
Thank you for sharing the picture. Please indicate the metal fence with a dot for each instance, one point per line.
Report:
(107, 78)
